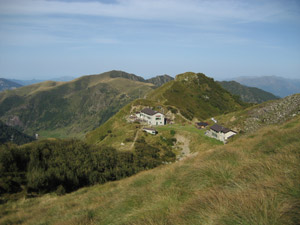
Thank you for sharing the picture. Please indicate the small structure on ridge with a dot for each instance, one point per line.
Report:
(201, 125)
(220, 133)
(152, 117)
(150, 130)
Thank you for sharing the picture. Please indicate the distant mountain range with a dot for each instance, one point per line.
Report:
(8, 85)
(34, 81)
(247, 94)
(278, 86)
(157, 80)
(68, 109)
(73, 108)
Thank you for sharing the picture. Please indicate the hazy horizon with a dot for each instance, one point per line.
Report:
(229, 78)
(43, 39)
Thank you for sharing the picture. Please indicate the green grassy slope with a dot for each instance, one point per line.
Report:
(254, 180)
(189, 96)
(196, 95)
(64, 109)
(247, 94)
(120, 134)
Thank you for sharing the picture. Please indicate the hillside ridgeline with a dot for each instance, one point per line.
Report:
(247, 94)
(7, 84)
(195, 95)
(189, 97)
(278, 86)
(70, 109)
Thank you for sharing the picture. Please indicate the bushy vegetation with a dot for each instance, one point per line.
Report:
(66, 165)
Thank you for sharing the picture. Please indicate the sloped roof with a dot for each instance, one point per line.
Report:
(148, 111)
(219, 128)
(202, 124)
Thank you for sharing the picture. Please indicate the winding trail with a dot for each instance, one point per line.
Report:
(135, 138)
(183, 143)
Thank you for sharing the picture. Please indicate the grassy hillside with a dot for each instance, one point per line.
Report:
(189, 96)
(120, 134)
(64, 109)
(254, 180)
(247, 94)
(196, 95)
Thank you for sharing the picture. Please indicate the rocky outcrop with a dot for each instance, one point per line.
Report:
(273, 112)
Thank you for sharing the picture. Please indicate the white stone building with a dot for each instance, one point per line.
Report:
(220, 133)
(152, 117)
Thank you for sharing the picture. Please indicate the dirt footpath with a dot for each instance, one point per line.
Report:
(183, 143)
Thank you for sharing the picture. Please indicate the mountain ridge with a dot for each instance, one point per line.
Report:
(247, 94)
(87, 101)
(278, 86)
(6, 84)
(189, 97)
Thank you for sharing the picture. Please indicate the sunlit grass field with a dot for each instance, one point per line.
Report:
(253, 180)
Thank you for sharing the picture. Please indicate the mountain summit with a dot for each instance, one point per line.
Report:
(196, 95)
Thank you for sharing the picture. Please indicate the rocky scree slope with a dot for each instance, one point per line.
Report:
(267, 113)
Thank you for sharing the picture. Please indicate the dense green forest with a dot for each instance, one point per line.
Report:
(66, 165)
(10, 134)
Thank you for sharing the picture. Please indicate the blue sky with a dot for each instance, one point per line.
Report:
(222, 38)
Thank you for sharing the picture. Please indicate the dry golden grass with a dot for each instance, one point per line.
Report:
(253, 180)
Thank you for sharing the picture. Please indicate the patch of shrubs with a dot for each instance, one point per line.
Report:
(129, 139)
(168, 141)
(63, 166)
(172, 132)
